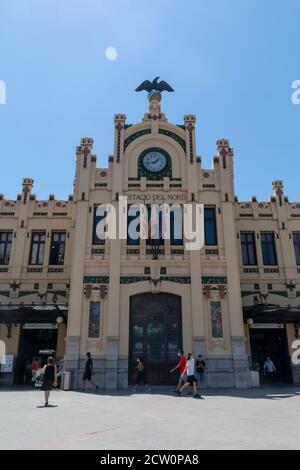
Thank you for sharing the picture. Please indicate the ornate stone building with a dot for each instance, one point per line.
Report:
(62, 288)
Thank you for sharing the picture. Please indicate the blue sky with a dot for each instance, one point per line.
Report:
(231, 62)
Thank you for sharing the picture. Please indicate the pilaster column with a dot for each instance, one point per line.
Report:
(18, 259)
(81, 197)
(112, 338)
(239, 354)
(286, 244)
(197, 304)
(120, 120)
(76, 289)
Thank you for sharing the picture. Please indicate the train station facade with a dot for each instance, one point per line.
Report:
(63, 289)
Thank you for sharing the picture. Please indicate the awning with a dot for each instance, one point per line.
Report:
(18, 314)
(270, 313)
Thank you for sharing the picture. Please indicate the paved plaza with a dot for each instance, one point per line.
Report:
(265, 418)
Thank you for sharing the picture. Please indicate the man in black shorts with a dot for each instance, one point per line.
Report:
(88, 372)
(191, 379)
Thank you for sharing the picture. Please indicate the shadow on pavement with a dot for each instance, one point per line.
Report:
(273, 392)
(48, 406)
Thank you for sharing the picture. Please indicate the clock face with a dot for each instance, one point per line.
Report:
(154, 161)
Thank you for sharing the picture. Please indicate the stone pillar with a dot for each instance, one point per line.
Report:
(286, 244)
(197, 305)
(81, 197)
(190, 138)
(198, 331)
(112, 339)
(238, 344)
(71, 360)
(120, 120)
(19, 242)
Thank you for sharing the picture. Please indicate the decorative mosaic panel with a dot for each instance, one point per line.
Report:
(61, 292)
(96, 279)
(94, 320)
(29, 292)
(133, 279)
(4, 293)
(282, 293)
(34, 270)
(211, 252)
(216, 320)
(174, 136)
(214, 280)
(135, 136)
(133, 251)
(97, 251)
(177, 279)
(245, 293)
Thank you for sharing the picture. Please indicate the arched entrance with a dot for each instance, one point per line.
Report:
(155, 333)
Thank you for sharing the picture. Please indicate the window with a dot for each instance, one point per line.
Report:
(155, 227)
(133, 225)
(57, 250)
(5, 246)
(268, 249)
(210, 226)
(296, 240)
(176, 226)
(97, 219)
(37, 248)
(248, 248)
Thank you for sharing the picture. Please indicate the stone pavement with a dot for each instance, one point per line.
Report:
(265, 418)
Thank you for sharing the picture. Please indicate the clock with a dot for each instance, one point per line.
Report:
(154, 161)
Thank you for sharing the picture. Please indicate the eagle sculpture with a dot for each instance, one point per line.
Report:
(154, 86)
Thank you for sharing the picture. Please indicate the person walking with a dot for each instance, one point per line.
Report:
(269, 370)
(88, 372)
(191, 379)
(35, 366)
(181, 366)
(141, 375)
(200, 373)
(49, 378)
(27, 373)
